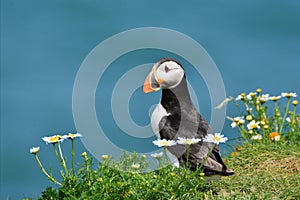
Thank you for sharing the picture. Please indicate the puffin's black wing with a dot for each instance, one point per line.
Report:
(183, 125)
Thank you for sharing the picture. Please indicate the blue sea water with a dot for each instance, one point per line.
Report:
(43, 44)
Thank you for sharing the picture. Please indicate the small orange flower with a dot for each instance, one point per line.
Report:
(274, 136)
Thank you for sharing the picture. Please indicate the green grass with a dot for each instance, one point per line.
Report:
(263, 171)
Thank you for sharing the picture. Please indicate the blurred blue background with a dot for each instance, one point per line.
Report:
(43, 43)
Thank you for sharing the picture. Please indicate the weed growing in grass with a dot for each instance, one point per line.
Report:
(263, 119)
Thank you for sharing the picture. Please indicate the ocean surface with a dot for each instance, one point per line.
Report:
(253, 44)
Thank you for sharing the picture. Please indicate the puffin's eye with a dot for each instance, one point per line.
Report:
(167, 69)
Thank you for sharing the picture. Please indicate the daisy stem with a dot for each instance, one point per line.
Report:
(276, 109)
(45, 172)
(187, 157)
(294, 123)
(285, 114)
(166, 159)
(184, 178)
(56, 153)
(243, 133)
(73, 168)
(62, 159)
(207, 156)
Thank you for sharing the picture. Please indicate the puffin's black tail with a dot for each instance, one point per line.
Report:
(214, 165)
(217, 157)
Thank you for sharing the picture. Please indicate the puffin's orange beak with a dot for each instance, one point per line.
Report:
(150, 84)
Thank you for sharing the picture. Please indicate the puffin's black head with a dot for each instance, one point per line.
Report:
(167, 73)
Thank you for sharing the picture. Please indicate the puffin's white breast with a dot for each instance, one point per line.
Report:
(158, 113)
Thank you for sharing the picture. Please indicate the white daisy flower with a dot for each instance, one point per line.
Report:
(241, 121)
(237, 121)
(277, 138)
(135, 166)
(72, 136)
(164, 143)
(256, 137)
(239, 97)
(264, 98)
(233, 124)
(238, 118)
(288, 94)
(157, 155)
(215, 138)
(54, 139)
(275, 98)
(188, 141)
(250, 95)
(144, 156)
(288, 119)
(34, 150)
(253, 124)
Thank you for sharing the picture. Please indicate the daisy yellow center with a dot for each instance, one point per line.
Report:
(188, 141)
(164, 143)
(289, 95)
(71, 135)
(253, 126)
(249, 117)
(217, 139)
(55, 138)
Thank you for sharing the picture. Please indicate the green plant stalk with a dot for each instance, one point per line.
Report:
(263, 112)
(45, 172)
(243, 132)
(293, 122)
(276, 109)
(62, 159)
(193, 174)
(187, 156)
(237, 106)
(56, 153)
(285, 114)
(178, 185)
(207, 156)
(166, 158)
(87, 163)
(73, 154)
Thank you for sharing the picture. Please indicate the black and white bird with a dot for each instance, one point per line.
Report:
(176, 116)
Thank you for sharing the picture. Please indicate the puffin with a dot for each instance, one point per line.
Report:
(176, 116)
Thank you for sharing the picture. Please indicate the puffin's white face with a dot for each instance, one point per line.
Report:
(169, 74)
(166, 75)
